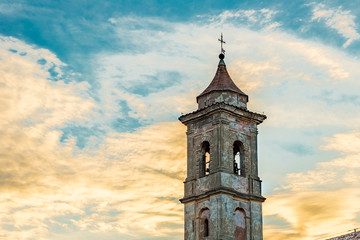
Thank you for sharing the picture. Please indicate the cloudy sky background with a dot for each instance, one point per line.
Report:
(90, 93)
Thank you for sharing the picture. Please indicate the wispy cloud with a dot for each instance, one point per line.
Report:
(338, 19)
(263, 18)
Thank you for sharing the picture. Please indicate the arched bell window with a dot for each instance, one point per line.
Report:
(239, 158)
(205, 159)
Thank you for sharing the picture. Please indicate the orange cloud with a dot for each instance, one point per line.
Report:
(130, 184)
(322, 202)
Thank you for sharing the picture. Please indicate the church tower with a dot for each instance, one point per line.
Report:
(222, 190)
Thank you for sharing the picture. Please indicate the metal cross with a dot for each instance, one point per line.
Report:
(221, 40)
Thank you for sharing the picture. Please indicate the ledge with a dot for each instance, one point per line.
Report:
(221, 106)
(223, 190)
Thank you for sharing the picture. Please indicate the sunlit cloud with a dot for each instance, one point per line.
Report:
(129, 182)
(319, 202)
(46, 183)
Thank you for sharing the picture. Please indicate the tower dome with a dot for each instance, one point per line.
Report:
(222, 89)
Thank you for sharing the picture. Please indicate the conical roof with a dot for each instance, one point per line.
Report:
(222, 81)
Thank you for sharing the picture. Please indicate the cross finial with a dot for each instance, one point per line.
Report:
(221, 40)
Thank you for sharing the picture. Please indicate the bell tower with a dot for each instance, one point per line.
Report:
(222, 190)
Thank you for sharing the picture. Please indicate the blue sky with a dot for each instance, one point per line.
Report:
(90, 93)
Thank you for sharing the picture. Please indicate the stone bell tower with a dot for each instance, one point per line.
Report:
(222, 189)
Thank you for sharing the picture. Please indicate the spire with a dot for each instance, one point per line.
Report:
(222, 88)
(222, 80)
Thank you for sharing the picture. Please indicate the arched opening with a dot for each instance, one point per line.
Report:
(205, 159)
(239, 158)
(240, 224)
(204, 224)
(206, 228)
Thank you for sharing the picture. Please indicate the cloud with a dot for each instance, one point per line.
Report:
(9, 8)
(27, 95)
(130, 184)
(336, 18)
(259, 62)
(133, 182)
(311, 214)
(130, 181)
(263, 18)
(304, 202)
(32, 107)
(348, 144)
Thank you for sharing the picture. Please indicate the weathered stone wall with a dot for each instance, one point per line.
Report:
(228, 97)
(240, 224)
(215, 181)
(222, 191)
(228, 129)
(256, 220)
(221, 130)
(190, 224)
(221, 210)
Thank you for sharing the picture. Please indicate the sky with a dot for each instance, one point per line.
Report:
(91, 91)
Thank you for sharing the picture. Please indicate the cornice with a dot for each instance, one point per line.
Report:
(224, 190)
(221, 106)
